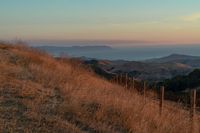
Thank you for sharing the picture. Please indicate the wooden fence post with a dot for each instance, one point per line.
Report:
(144, 89)
(133, 83)
(117, 79)
(193, 96)
(162, 94)
(121, 79)
(126, 81)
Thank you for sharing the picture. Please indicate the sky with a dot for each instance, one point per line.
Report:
(137, 21)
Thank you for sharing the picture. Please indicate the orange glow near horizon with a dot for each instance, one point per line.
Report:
(166, 22)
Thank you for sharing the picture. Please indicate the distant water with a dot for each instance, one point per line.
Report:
(133, 53)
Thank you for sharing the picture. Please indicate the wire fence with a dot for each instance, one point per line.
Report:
(165, 100)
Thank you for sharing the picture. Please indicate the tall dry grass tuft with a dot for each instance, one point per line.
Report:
(41, 94)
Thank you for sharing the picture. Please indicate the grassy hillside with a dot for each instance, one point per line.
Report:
(41, 94)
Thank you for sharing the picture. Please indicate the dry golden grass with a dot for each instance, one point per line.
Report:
(41, 94)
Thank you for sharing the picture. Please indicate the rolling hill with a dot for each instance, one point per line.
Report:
(152, 70)
(174, 58)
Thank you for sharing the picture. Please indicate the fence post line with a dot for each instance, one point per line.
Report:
(162, 94)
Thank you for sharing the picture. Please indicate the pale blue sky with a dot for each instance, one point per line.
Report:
(174, 21)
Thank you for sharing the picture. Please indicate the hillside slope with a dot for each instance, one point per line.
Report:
(41, 94)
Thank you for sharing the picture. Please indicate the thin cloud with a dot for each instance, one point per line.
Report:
(192, 18)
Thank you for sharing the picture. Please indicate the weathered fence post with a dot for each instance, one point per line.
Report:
(117, 79)
(126, 84)
(162, 94)
(121, 79)
(193, 95)
(193, 103)
(144, 88)
(133, 83)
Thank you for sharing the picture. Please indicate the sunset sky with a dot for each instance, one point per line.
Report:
(153, 21)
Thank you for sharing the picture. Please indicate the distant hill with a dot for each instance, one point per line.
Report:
(73, 50)
(154, 69)
(174, 58)
(76, 47)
